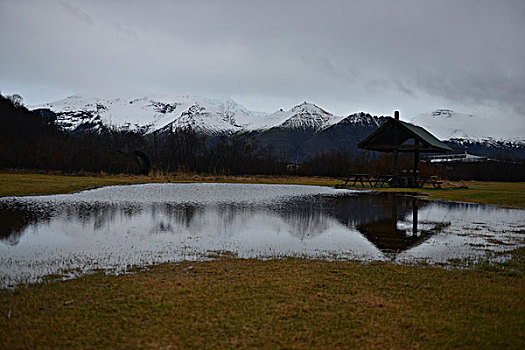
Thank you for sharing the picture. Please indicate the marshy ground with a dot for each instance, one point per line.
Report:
(295, 303)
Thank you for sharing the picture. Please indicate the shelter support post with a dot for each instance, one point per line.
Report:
(416, 164)
(395, 175)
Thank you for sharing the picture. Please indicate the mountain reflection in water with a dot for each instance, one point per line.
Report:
(375, 216)
(137, 225)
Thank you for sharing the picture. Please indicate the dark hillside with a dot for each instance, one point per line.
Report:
(298, 145)
(27, 140)
(32, 141)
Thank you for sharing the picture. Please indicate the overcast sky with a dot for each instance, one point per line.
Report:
(345, 56)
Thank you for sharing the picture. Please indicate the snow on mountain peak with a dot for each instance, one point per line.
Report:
(206, 115)
(144, 114)
(303, 116)
(447, 124)
(307, 116)
(361, 118)
(225, 116)
(309, 108)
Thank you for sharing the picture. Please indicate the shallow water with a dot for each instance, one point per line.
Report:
(115, 228)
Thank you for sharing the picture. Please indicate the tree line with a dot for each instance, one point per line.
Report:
(32, 141)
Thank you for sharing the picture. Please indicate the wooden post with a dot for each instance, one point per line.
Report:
(416, 164)
(395, 175)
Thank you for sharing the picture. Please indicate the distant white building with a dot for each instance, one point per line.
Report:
(461, 157)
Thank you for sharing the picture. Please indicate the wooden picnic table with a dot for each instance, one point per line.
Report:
(362, 178)
(382, 180)
(379, 181)
(433, 180)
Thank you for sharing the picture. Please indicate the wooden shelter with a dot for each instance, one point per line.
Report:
(396, 136)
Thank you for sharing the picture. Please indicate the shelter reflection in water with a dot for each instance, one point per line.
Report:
(397, 233)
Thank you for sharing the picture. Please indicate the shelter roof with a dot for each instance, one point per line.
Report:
(394, 134)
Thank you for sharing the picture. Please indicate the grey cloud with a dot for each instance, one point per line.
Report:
(77, 12)
(342, 55)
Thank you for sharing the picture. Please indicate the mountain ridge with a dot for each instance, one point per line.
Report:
(303, 130)
(224, 115)
(147, 115)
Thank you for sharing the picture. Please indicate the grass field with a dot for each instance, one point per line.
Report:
(13, 184)
(271, 304)
(504, 194)
(21, 184)
(291, 303)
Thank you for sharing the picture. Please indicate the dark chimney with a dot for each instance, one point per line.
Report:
(396, 115)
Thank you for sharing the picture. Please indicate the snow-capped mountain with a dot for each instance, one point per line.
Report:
(308, 116)
(447, 124)
(361, 119)
(214, 116)
(243, 116)
(305, 116)
(473, 134)
(145, 114)
(206, 115)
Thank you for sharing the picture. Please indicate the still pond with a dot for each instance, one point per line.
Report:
(117, 228)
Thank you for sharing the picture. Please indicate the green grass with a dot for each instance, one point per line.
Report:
(290, 303)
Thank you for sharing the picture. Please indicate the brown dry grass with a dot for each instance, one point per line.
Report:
(270, 304)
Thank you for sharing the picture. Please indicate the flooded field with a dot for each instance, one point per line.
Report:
(117, 228)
